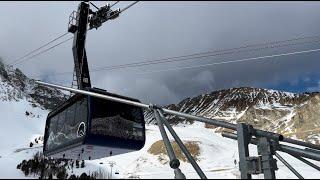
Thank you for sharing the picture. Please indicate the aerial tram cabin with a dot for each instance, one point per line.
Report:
(86, 128)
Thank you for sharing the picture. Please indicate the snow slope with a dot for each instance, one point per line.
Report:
(216, 159)
(9, 162)
(18, 129)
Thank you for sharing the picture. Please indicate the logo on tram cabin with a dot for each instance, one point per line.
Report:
(81, 129)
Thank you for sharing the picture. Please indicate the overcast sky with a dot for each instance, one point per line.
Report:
(155, 30)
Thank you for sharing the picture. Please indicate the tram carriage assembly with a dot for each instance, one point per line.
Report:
(86, 127)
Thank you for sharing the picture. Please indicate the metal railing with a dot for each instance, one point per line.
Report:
(267, 142)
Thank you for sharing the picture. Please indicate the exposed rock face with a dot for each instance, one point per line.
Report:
(283, 112)
(48, 98)
(306, 119)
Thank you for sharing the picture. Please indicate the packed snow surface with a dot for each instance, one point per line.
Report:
(216, 159)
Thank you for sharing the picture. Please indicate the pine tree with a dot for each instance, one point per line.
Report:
(62, 174)
(82, 164)
(77, 163)
(26, 172)
(83, 176)
(73, 176)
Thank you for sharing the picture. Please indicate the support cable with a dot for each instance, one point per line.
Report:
(233, 61)
(114, 4)
(197, 55)
(41, 52)
(211, 64)
(18, 59)
(94, 6)
(124, 9)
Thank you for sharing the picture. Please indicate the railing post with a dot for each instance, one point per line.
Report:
(182, 146)
(244, 137)
(174, 162)
(268, 163)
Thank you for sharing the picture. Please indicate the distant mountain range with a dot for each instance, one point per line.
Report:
(294, 115)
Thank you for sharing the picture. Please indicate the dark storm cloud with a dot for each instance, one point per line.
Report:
(153, 30)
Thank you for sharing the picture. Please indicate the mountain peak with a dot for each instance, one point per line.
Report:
(267, 109)
(25, 87)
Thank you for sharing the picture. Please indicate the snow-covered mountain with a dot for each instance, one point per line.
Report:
(26, 88)
(25, 105)
(23, 110)
(283, 112)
